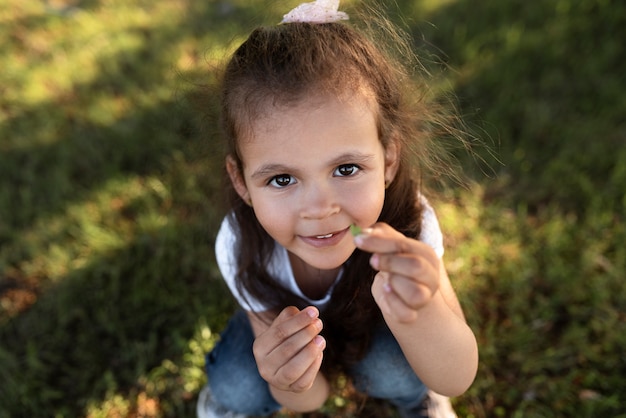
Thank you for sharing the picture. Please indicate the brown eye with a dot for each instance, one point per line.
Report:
(346, 170)
(281, 180)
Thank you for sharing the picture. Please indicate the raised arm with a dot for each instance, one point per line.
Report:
(421, 309)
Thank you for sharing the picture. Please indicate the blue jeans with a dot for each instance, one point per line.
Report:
(237, 385)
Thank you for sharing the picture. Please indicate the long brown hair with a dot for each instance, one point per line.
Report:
(281, 65)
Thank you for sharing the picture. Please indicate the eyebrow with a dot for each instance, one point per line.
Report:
(346, 158)
(352, 157)
(270, 169)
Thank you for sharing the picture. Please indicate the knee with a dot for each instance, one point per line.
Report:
(392, 383)
(385, 373)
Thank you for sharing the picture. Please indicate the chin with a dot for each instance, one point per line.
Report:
(329, 261)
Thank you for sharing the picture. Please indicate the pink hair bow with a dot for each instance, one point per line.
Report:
(319, 11)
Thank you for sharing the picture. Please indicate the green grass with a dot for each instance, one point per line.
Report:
(110, 198)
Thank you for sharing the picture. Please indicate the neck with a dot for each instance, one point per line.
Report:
(313, 282)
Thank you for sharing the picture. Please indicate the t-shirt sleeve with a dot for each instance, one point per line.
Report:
(225, 255)
(431, 231)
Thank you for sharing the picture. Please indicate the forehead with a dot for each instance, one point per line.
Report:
(312, 128)
(273, 114)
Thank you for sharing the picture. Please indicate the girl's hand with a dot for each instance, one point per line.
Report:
(408, 271)
(289, 353)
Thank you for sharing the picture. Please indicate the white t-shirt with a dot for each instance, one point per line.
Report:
(280, 267)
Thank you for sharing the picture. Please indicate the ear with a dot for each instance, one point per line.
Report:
(236, 178)
(392, 160)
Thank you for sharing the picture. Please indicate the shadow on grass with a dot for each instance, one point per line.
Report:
(105, 326)
(102, 327)
(544, 80)
(55, 151)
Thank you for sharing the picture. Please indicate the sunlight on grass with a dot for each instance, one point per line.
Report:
(104, 222)
(58, 56)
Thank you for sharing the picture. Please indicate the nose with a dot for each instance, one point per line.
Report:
(319, 201)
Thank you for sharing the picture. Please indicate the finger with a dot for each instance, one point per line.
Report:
(307, 379)
(420, 268)
(389, 302)
(299, 373)
(291, 346)
(269, 362)
(381, 238)
(412, 294)
(289, 322)
(286, 313)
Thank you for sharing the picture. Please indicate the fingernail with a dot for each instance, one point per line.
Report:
(319, 341)
(375, 261)
(360, 237)
(311, 312)
(387, 288)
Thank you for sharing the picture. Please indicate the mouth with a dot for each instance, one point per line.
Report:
(325, 240)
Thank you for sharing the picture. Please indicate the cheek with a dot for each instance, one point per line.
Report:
(273, 218)
(365, 205)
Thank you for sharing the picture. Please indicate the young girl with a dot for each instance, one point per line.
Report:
(319, 145)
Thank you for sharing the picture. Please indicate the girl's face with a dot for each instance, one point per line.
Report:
(312, 170)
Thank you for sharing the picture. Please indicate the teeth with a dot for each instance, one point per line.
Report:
(324, 236)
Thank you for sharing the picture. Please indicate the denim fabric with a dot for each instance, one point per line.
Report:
(385, 373)
(232, 372)
(237, 386)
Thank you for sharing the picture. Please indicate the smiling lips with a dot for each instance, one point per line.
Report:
(328, 240)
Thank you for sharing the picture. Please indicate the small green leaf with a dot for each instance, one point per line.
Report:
(355, 229)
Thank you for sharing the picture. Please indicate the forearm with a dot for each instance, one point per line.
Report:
(439, 346)
(309, 400)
